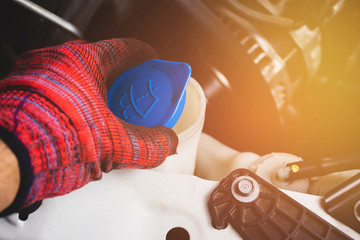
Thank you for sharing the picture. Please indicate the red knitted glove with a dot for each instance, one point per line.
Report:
(54, 116)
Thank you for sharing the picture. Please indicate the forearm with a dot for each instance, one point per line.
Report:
(9, 176)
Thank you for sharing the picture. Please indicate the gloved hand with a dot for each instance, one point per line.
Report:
(54, 117)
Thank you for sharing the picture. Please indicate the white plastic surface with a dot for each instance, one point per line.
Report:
(313, 203)
(137, 205)
(147, 204)
(125, 204)
(215, 160)
(321, 185)
(188, 129)
(267, 167)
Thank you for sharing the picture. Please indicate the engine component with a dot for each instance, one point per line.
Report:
(298, 170)
(267, 167)
(139, 204)
(258, 210)
(63, 24)
(343, 202)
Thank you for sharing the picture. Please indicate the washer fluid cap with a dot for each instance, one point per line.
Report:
(150, 94)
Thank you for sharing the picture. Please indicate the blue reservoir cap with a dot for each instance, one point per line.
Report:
(150, 94)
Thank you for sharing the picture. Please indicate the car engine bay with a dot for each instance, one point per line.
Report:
(281, 81)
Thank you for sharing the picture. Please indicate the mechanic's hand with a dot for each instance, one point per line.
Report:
(54, 116)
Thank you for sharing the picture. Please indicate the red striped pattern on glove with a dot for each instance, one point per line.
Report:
(54, 104)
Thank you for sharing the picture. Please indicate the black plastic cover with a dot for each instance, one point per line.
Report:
(271, 215)
(343, 202)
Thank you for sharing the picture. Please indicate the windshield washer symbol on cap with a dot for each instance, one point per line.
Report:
(141, 99)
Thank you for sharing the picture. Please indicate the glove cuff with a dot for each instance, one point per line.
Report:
(26, 173)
